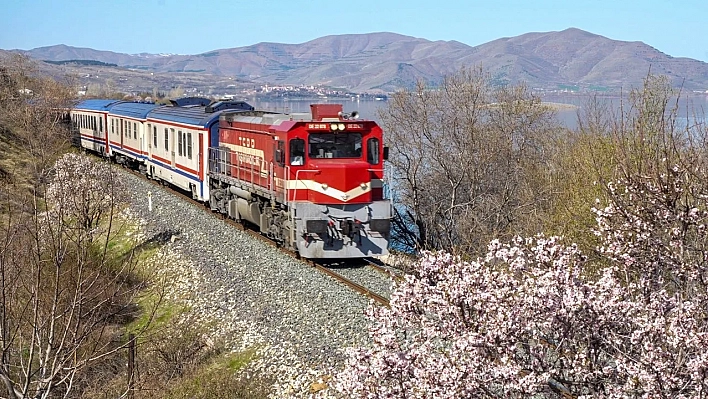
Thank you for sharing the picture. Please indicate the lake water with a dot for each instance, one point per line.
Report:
(568, 116)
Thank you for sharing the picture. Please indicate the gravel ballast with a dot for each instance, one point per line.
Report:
(253, 295)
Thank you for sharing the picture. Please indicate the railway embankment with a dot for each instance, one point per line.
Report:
(246, 293)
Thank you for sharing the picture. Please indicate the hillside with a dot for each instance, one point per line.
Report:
(389, 61)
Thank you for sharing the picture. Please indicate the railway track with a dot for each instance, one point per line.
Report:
(381, 267)
(375, 263)
(351, 284)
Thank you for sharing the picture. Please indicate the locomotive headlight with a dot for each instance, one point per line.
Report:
(334, 127)
(325, 186)
(340, 126)
(363, 186)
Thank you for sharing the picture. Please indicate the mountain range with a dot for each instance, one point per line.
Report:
(385, 62)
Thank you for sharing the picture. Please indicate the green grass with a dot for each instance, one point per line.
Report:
(236, 361)
(220, 379)
(155, 313)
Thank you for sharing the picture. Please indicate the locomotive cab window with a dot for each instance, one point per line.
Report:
(334, 145)
(297, 152)
(372, 151)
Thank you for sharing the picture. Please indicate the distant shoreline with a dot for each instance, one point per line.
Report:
(560, 106)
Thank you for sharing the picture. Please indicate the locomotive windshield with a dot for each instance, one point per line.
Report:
(334, 145)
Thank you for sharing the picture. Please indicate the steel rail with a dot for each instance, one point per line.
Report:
(351, 284)
(381, 267)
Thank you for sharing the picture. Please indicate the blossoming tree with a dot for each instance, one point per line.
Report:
(531, 319)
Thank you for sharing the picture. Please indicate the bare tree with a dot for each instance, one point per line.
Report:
(63, 294)
(465, 160)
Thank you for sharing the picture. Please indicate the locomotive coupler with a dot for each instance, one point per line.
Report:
(352, 229)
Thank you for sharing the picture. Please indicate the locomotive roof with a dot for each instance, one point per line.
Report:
(133, 110)
(264, 117)
(195, 115)
(96, 104)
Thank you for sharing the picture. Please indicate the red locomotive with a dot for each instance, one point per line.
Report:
(312, 182)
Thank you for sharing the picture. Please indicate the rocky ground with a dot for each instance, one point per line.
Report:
(251, 295)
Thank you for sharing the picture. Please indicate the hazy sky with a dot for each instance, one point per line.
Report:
(678, 28)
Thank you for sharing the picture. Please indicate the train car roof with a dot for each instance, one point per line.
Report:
(96, 104)
(184, 101)
(196, 115)
(133, 109)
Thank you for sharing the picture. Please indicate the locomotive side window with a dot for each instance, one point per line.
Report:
(189, 145)
(297, 152)
(334, 145)
(154, 136)
(135, 130)
(372, 151)
(100, 125)
(167, 141)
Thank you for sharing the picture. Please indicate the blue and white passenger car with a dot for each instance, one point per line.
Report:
(128, 132)
(89, 118)
(179, 139)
